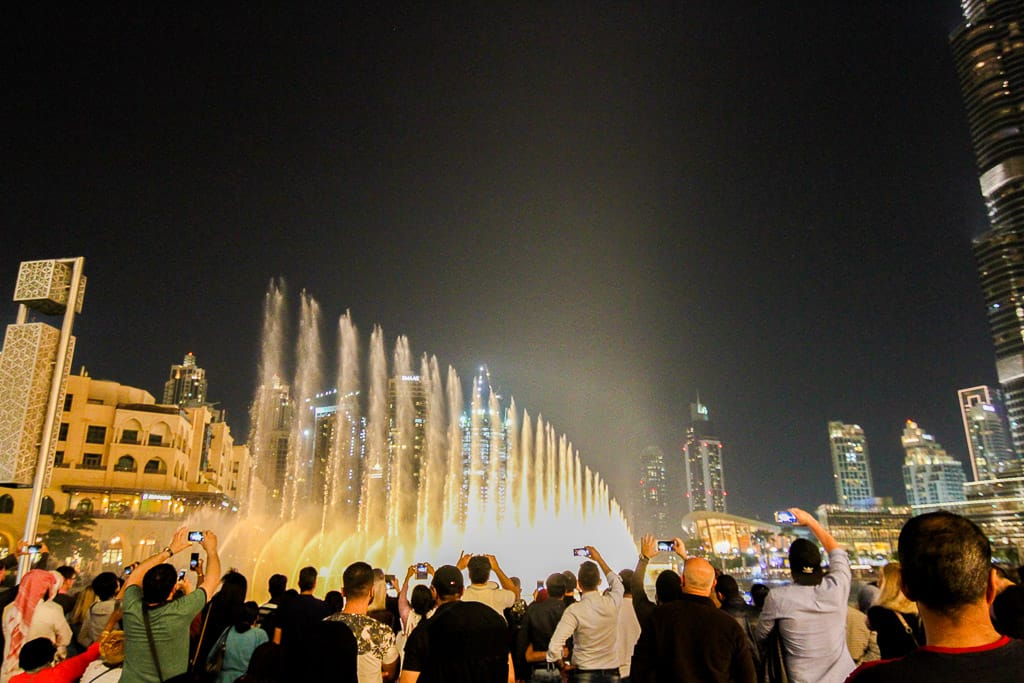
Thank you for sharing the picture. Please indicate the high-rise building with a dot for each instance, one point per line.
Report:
(186, 386)
(988, 48)
(988, 444)
(702, 456)
(930, 475)
(484, 444)
(851, 468)
(654, 493)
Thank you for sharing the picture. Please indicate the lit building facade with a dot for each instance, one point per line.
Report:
(988, 443)
(988, 49)
(186, 386)
(930, 475)
(702, 458)
(653, 488)
(851, 468)
(137, 467)
(870, 534)
(484, 443)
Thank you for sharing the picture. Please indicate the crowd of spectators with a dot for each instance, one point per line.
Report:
(942, 613)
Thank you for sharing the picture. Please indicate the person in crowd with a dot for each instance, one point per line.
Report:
(33, 614)
(861, 641)
(239, 641)
(85, 599)
(107, 669)
(811, 612)
(667, 586)
(463, 642)
(1008, 611)
(894, 618)
(297, 615)
(64, 598)
(629, 626)
(481, 588)
(104, 587)
(539, 622)
(412, 610)
(267, 665)
(155, 623)
(733, 604)
(758, 594)
(225, 609)
(276, 586)
(946, 568)
(592, 623)
(383, 608)
(570, 587)
(514, 614)
(335, 601)
(378, 653)
(691, 639)
(37, 660)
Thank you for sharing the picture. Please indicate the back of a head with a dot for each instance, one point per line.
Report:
(421, 600)
(105, 585)
(334, 601)
(67, 572)
(479, 569)
(1008, 612)
(357, 580)
(727, 587)
(247, 616)
(668, 587)
(555, 585)
(699, 576)
(233, 587)
(36, 654)
(307, 579)
(277, 585)
(805, 562)
(447, 581)
(945, 560)
(627, 578)
(158, 583)
(758, 594)
(570, 581)
(589, 576)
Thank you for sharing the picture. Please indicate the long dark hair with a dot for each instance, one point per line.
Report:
(250, 612)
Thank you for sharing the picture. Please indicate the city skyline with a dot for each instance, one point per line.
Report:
(609, 208)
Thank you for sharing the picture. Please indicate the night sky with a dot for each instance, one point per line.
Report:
(613, 205)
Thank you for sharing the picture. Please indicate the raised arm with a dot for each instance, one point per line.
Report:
(505, 582)
(212, 577)
(808, 520)
(178, 543)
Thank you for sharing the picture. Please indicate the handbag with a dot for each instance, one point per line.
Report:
(215, 660)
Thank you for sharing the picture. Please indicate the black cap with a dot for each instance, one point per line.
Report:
(805, 562)
(447, 581)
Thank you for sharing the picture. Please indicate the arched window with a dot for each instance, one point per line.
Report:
(84, 506)
(155, 466)
(6, 504)
(125, 463)
(46, 507)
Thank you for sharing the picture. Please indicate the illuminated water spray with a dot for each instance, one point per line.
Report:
(386, 466)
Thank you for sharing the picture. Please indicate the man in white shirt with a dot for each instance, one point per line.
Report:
(592, 622)
(481, 588)
(377, 654)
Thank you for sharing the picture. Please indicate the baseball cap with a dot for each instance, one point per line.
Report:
(447, 581)
(805, 562)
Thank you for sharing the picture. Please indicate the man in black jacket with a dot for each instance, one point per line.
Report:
(538, 624)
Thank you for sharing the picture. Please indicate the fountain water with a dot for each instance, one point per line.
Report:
(393, 472)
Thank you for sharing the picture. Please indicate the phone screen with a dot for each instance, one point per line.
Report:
(665, 546)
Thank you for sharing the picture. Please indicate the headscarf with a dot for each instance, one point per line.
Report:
(34, 587)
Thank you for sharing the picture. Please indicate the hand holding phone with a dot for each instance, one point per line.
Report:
(421, 570)
(193, 561)
(785, 517)
(195, 536)
(666, 546)
(581, 552)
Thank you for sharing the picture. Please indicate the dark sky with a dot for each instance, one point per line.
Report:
(614, 205)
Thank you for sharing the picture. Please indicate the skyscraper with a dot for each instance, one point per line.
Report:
(851, 468)
(702, 456)
(186, 386)
(987, 441)
(653, 487)
(930, 475)
(988, 48)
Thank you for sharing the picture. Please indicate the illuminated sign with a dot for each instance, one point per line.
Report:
(155, 496)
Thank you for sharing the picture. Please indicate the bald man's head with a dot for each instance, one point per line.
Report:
(698, 577)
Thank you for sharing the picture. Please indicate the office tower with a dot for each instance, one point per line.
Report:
(988, 48)
(930, 475)
(702, 456)
(851, 468)
(484, 445)
(653, 487)
(186, 386)
(989, 446)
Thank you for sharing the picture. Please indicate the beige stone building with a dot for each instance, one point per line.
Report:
(137, 467)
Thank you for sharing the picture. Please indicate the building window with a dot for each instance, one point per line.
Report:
(46, 507)
(6, 504)
(125, 463)
(68, 400)
(58, 459)
(96, 434)
(130, 436)
(155, 466)
(155, 440)
(84, 506)
(92, 461)
(63, 436)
